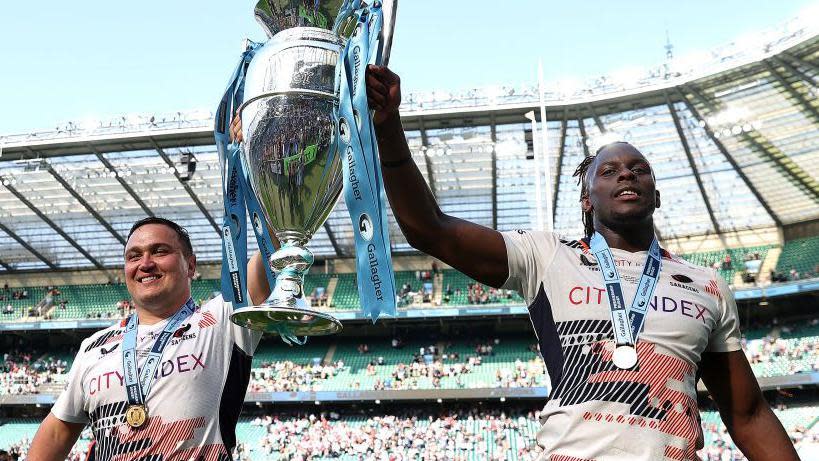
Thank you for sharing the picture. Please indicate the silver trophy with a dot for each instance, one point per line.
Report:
(290, 147)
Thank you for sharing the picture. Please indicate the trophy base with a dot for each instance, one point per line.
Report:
(301, 322)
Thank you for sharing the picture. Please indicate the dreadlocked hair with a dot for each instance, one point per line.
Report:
(580, 173)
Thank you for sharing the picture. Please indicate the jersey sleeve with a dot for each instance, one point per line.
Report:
(245, 338)
(725, 336)
(71, 406)
(528, 254)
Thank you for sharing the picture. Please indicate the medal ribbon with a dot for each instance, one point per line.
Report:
(627, 321)
(137, 389)
(363, 183)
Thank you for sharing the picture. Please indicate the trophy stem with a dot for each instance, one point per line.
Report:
(287, 309)
(290, 262)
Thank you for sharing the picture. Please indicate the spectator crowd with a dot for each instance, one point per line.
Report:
(407, 435)
(452, 433)
(23, 372)
(287, 376)
(436, 366)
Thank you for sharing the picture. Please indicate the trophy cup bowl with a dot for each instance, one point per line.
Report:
(290, 150)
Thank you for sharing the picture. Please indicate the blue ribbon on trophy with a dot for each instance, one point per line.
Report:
(234, 272)
(304, 129)
(363, 184)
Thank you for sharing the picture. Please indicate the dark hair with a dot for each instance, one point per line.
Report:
(581, 174)
(181, 232)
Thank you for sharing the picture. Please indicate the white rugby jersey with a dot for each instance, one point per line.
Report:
(595, 410)
(195, 400)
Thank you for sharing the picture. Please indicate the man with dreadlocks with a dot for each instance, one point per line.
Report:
(623, 373)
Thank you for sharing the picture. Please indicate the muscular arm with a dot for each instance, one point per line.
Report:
(54, 439)
(749, 419)
(475, 250)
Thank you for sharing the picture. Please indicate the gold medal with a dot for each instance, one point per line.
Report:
(136, 415)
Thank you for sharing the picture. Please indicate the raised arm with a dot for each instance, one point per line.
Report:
(257, 286)
(54, 439)
(475, 250)
(749, 419)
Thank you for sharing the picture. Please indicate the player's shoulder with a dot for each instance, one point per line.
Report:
(213, 311)
(544, 238)
(580, 245)
(689, 269)
(104, 337)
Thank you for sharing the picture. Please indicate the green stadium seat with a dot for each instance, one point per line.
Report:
(738, 255)
(459, 284)
(801, 255)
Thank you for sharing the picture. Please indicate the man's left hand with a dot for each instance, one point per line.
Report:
(236, 129)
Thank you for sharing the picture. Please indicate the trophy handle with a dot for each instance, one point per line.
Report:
(389, 8)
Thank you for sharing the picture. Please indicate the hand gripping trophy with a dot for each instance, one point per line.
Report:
(307, 134)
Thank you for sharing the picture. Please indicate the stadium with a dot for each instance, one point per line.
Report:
(733, 135)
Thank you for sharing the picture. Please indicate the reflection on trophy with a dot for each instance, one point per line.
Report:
(290, 150)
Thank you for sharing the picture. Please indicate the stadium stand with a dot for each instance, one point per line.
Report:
(800, 258)
(730, 261)
(315, 285)
(270, 352)
(345, 296)
(487, 432)
(30, 372)
(418, 434)
(90, 301)
(18, 302)
(507, 362)
(203, 290)
(459, 289)
(446, 363)
(782, 357)
(800, 423)
(379, 365)
(277, 367)
(16, 435)
(787, 350)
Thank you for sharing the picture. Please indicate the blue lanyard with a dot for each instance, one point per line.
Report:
(627, 322)
(137, 389)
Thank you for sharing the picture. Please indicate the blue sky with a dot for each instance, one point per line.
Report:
(66, 61)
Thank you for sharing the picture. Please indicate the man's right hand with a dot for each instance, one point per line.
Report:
(383, 93)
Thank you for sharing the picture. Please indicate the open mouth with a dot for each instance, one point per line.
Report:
(628, 194)
(147, 279)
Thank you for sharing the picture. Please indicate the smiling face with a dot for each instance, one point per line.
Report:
(158, 273)
(621, 188)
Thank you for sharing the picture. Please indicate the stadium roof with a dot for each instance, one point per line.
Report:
(732, 136)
